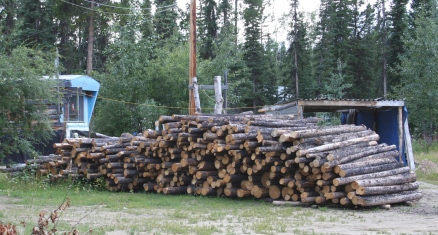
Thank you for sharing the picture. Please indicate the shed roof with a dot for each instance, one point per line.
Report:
(328, 105)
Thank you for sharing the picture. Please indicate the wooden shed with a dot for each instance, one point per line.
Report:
(388, 118)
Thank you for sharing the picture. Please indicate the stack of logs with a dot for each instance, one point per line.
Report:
(247, 156)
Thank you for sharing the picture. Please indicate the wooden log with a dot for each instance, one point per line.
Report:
(228, 178)
(321, 140)
(288, 203)
(389, 180)
(260, 192)
(275, 191)
(230, 192)
(337, 160)
(375, 190)
(175, 190)
(387, 198)
(347, 180)
(370, 162)
(331, 130)
(369, 169)
(337, 145)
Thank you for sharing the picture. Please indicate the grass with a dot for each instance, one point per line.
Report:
(426, 161)
(139, 213)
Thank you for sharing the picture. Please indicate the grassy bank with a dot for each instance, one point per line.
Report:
(426, 161)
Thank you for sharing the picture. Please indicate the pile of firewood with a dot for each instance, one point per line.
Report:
(257, 156)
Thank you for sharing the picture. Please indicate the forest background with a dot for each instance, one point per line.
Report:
(138, 50)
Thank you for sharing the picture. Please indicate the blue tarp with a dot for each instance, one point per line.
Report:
(384, 123)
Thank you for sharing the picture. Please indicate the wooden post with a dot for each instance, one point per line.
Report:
(90, 41)
(400, 133)
(196, 96)
(300, 111)
(192, 64)
(225, 92)
(218, 95)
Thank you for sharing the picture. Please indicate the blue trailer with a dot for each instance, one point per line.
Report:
(79, 95)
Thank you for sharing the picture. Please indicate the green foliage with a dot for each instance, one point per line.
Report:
(24, 98)
(38, 27)
(165, 22)
(336, 85)
(207, 28)
(395, 47)
(168, 76)
(419, 75)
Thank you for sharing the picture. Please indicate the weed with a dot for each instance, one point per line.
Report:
(205, 230)
(322, 218)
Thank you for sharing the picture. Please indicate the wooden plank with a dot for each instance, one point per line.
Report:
(400, 133)
(209, 87)
(408, 146)
(196, 96)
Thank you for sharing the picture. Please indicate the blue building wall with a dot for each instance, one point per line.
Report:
(384, 123)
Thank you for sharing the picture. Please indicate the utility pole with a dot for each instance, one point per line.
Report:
(90, 41)
(192, 63)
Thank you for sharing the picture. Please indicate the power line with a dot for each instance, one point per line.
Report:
(128, 8)
(150, 105)
(114, 13)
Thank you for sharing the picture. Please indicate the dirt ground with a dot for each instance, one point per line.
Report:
(420, 218)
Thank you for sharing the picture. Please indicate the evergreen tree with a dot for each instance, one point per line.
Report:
(397, 27)
(422, 7)
(165, 19)
(37, 27)
(207, 28)
(146, 20)
(297, 66)
(364, 51)
(224, 12)
(419, 73)
(253, 55)
(324, 48)
(8, 25)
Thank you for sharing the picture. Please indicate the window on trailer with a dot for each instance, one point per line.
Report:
(74, 108)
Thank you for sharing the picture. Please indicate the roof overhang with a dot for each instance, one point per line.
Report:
(341, 105)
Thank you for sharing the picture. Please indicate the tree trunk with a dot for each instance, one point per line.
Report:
(347, 180)
(349, 158)
(375, 190)
(390, 180)
(338, 145)
(288, 137)
(387, 198)
(369, 169)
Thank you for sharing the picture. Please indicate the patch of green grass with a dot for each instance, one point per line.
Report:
(264, 227)
(426, 159)
(175, 228)
(205, 230)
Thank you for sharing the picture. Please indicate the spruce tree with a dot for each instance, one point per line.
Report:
(397, 27)
(37, 28)
(253, 55)
(165, 19)
(207, 28)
